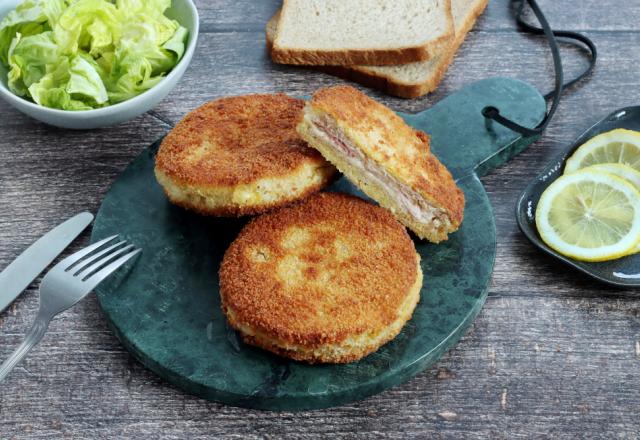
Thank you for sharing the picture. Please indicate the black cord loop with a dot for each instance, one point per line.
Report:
(493, 113)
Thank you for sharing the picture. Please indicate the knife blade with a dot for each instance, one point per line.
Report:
(17, 276)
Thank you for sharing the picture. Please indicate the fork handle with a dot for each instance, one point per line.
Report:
(33, 336)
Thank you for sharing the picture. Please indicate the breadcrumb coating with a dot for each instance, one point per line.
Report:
(240, 155)
(329, 279)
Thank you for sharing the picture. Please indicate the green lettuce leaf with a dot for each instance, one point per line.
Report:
(74, 84)
(50, 91)
(176, 44)
(136, 78)
(147, 6)
(14, 79)
(89, 25)
(28, 59)
(85, 83)
(31, 17)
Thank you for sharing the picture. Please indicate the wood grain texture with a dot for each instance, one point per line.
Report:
(552, 354)
(587, 15)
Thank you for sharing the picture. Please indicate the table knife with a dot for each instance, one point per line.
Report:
(17, 276)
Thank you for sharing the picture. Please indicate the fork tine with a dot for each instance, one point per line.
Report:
(74, 258)
(97, 277)
(84, 264)
(89, 269)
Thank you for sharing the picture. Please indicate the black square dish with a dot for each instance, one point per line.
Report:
(622, 272)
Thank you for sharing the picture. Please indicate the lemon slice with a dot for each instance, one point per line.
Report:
(619, 170)
(616, 146)
(623, 171)
(590, 216)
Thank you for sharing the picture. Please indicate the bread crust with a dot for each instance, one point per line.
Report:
(329, 279)
(350, 57)
(387, 83)
(372, 57)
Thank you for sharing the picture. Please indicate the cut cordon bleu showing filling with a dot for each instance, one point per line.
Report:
(386, 158)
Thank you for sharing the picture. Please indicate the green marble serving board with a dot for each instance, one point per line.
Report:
(166, 308)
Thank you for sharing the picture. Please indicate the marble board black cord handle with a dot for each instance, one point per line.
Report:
(493, 113)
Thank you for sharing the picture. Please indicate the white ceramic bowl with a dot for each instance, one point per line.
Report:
(184, 11)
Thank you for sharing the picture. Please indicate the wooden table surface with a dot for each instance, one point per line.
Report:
(552, 353)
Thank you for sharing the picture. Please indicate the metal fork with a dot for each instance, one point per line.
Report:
(67, 283)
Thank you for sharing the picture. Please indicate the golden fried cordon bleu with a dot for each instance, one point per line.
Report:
(239, 156)
(386, 158)
(326, 280)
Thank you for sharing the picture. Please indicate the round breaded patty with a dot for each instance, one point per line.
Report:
(330, 279)
(240, 155)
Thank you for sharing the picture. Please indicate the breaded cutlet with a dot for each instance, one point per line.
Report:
(240, 155)
(386, 158)
(329, 279)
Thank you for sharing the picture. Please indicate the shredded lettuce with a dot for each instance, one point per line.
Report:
(86, 54)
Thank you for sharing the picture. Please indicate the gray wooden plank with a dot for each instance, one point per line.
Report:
(49, 174)
(225, 15)
(586, 15)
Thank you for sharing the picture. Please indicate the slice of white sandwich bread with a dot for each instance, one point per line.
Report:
(338, 32)
(409, 80)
